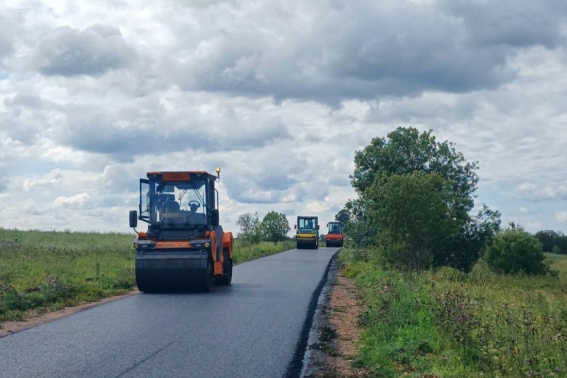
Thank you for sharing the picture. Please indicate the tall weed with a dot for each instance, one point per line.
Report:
(450, 324)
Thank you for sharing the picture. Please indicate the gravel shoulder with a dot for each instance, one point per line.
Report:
(333, 347)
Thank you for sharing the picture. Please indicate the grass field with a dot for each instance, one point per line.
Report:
(46, 271)
(451, 324)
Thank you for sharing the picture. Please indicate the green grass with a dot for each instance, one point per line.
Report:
(46, 271)
(450, 324)
(244, 252)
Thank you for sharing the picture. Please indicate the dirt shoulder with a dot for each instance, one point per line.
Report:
(33, 319)
(338, 333)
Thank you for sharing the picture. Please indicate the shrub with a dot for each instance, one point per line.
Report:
(515, 252)
(481, 272)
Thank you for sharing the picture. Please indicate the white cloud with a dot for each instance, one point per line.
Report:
(93, 95)
(92, 51)
(75, 202)
(561, 216)
(526, 210)
(52, 180)
(549, 191)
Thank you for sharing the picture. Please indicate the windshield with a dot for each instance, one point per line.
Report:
(307, 223)
(176, 205)
(334, 228)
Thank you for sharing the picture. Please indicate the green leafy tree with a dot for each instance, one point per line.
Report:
(472, 238)
(560, 244)
(552, 241)
(275, 227)
(358, 227)
(547, 239)
(343, 216)
(402, 153)
(515, 251)
(416, 210)
(250, 228)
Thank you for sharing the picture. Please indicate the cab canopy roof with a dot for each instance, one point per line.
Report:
(180, 175)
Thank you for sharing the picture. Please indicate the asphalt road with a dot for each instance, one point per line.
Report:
(256, 327)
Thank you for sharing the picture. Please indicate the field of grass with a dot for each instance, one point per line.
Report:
(46, 271)
(450, 324)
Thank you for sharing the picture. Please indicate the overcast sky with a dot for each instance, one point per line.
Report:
(279, 94)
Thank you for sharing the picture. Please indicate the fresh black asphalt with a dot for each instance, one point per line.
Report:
(256, 327)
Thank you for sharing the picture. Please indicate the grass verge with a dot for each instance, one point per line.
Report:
(47, 271)
(450, 324)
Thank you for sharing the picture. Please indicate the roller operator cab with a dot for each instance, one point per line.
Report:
(184, 247)
(334, 237)
(307, 232)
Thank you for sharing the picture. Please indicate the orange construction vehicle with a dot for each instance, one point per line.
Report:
(334, 237)
(184, 247)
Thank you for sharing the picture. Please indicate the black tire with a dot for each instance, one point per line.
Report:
(209, 279)
(226, 278)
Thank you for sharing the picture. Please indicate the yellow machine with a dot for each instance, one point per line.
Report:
(307, 232)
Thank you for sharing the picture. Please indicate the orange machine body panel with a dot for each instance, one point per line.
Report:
(334, 237)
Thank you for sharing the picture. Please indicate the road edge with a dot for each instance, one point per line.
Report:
(11, 327)
(299, 363)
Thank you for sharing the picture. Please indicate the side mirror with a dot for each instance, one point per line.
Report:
(215, 217)
(133, 218)
(317, 226)
(295, 227)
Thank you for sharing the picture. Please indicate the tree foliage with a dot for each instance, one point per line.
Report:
(515, 251)
(473, 237)
(343, 216)
(409, 158)
(250, 228)
(415, 216)
(552, 241)
(275, 227)
(405, 151)
(357, 227)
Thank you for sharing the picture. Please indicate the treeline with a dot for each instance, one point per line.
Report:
(273, 228)
(552, 241)
(414, 211)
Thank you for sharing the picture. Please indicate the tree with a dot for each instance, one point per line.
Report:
(402, 153)
(515, 251)
(358, 228)
(275, 227)
(250, 230)
(471, 240)
(343, 216)
(560, 244)
(552, 241)
(415, 216)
